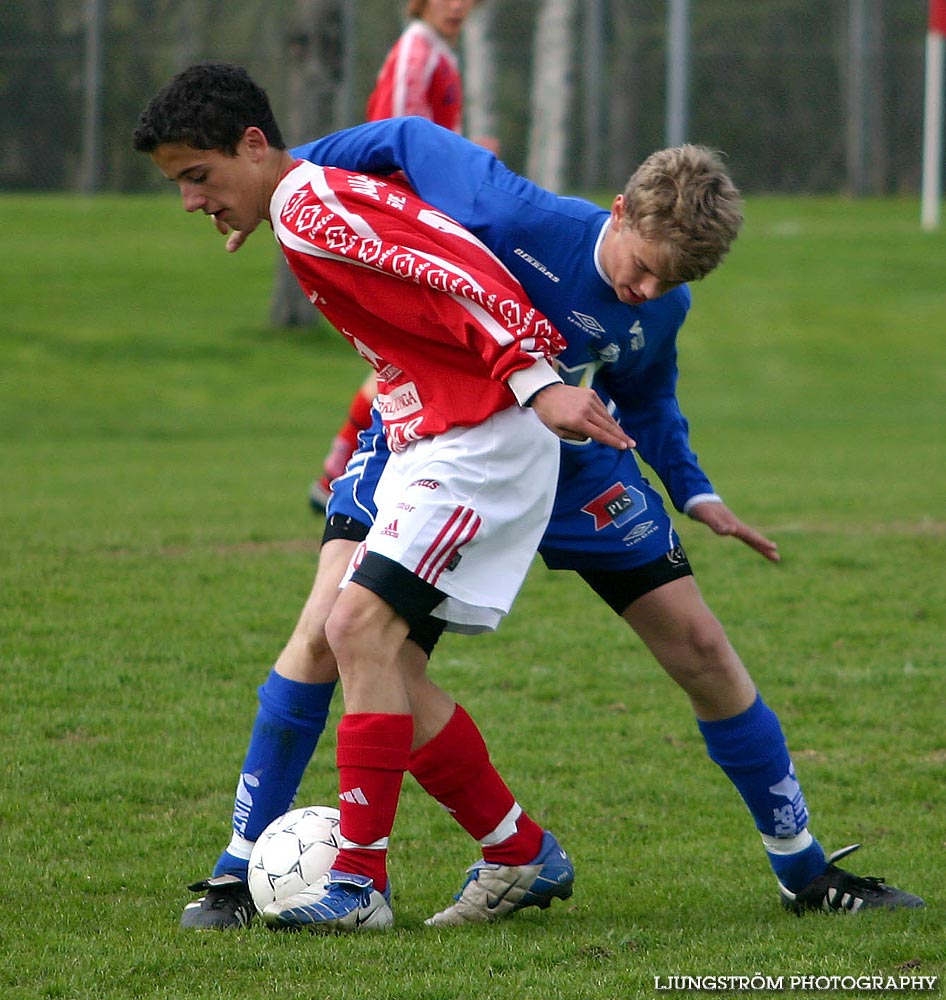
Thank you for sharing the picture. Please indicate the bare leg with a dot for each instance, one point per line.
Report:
(691, 645)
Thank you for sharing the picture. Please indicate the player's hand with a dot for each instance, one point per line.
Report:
(575, 414)
(235, 238)
(719, 518)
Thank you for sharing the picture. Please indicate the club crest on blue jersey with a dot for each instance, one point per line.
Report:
(609, 354)
(618, 505)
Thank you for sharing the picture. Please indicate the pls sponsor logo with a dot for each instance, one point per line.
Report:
(617, 505)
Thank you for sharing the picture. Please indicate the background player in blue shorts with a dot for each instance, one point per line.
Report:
(614, 283)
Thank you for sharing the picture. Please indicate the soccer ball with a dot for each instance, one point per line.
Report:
(293, 853)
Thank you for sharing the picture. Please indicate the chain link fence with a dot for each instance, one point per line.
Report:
(802, 97)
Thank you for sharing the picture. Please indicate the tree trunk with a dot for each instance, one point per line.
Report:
(552, 87)
(865, 160)
(315, 61)
(623, 150)
(479, 73)
(593, 89)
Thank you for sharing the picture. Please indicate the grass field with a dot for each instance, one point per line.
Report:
(156, 444)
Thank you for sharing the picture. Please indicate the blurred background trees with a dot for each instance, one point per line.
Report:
(802, 96)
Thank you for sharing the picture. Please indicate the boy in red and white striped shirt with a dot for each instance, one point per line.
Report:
(470, 394)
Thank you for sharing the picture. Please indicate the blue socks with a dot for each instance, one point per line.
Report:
(751, 750)
(290, 720)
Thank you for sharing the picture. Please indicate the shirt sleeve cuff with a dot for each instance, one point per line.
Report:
(701, 498)
(526, 382)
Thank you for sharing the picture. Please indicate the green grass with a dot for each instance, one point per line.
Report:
(156, 443)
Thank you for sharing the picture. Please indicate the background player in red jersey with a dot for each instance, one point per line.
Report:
(419, 76)
(464, 370)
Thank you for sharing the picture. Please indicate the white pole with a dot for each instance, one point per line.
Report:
(932, 132)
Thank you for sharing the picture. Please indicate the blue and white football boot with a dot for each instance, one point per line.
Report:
(493, 891)
(344, 903)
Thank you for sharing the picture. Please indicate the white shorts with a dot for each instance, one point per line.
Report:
(465, 512)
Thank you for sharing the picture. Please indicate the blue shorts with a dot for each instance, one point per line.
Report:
(606, 515)
(352, 496)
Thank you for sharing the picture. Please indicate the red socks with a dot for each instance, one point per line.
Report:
(454, 767)
(372, 755)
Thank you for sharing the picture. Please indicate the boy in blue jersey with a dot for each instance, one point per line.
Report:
(614, 284)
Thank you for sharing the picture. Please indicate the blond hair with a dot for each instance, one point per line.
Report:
(416, 8)
(684, 202)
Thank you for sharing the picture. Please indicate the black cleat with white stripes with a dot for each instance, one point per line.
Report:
(838, 891)
(226, 904)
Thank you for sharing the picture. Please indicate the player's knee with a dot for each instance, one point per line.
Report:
(318, 651)
(351, 633)
(707, 639)
(341, 633)
(705, 654)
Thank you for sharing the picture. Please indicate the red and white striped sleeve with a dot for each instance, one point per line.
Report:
(420, 76)
(454, 319)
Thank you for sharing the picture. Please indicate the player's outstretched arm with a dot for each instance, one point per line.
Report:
(574, 413)
(719, 518)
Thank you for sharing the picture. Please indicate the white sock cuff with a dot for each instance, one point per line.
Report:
(788, 845)
(240, 847)
(507, 827)
(377, 845)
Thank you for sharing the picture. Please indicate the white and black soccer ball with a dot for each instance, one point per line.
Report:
(293, 853)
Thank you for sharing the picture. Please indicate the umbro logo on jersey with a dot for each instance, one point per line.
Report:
(588, 323)
(355, 796)
(639, 532)
(391, 529)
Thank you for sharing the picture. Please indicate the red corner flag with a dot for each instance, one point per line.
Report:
(938, 16)
(933, 116)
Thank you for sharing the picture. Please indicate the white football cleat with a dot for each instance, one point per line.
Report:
(493, 891)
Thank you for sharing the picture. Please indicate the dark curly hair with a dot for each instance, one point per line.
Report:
(207, 106)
